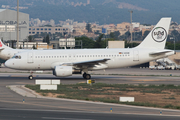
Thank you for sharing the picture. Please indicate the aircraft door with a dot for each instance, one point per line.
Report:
(30, 57)
(136, 55)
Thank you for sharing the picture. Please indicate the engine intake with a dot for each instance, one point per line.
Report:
(62, 71)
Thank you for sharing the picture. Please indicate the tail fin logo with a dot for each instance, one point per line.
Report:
(0, 44)
(159, 34)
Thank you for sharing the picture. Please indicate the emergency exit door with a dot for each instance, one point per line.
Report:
(136, 55)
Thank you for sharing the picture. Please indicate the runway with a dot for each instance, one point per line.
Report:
(109, 79)
(12, 106)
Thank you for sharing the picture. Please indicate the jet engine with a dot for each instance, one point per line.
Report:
(62, 71)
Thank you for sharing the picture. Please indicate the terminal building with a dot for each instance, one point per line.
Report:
(49, 30)
(8, 25)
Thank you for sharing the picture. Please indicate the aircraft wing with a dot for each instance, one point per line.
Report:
(160, 52)
(87, 63)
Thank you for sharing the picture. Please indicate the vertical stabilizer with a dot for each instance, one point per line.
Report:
(2, 46)
(158, 35)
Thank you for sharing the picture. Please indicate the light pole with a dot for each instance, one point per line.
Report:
(17, 46)
(131, 23)
(174, 43)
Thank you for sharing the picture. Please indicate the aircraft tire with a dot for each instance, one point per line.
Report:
(30, 77)
(88, 76)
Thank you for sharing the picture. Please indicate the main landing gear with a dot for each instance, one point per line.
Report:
(86, 76)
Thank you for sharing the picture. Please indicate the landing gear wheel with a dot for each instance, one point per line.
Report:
(30, 77)
(84, 75)
(88, 76)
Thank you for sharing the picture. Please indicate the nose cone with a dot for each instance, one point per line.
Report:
(8, 63)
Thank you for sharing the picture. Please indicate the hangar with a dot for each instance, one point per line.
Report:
(8, 25)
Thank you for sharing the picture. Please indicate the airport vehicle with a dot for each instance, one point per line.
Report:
(70, 61)
(8, 52)
(160, 67)
(171, 66)
(165, 63)
(154, 67)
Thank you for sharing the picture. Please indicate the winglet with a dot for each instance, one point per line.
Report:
(158, 35)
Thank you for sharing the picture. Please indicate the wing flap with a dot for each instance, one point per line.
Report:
(87, 63)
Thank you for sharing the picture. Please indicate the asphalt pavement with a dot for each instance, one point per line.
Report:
(15, 106)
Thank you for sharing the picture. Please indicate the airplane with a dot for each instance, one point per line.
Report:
(8, 52)
(71, 61)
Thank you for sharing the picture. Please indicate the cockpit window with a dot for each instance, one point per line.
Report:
(17, 57)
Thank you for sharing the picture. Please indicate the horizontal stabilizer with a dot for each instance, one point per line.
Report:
(160, 52)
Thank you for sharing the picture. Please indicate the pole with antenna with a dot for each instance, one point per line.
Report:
(131, 25)
(17, 46)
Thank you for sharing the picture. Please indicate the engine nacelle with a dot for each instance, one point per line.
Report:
(62, 71)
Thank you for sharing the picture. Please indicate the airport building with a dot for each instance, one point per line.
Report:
(8, 25)
(49, 30)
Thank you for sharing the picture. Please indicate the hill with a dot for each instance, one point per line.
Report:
(102, 11)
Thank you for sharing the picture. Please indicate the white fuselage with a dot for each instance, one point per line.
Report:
(48, 59)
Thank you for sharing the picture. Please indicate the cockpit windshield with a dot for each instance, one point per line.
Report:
(16, 57)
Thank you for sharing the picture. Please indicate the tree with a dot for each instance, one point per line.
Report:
(30, 38)
(116, 34)
(86, 42)
(47, 39)
(99, 42)
(146, 33)
(33, 47)
(20, 47)
(112, 35)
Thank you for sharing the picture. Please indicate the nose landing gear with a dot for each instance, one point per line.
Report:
(30, 76)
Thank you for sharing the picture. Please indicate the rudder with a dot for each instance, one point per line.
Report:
(158, 35)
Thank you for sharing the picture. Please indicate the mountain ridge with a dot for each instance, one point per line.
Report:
(102, 11)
